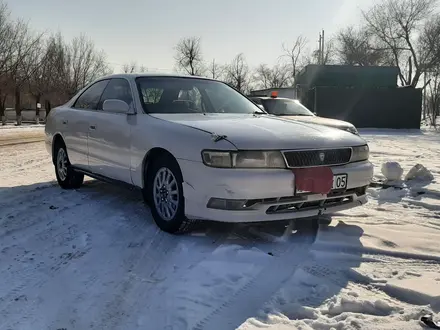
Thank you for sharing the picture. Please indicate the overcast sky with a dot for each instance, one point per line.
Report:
(147, 30)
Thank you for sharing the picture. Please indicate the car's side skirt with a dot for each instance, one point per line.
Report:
(106, 179)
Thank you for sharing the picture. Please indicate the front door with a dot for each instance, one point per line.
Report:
(77, 121)
(110, 135)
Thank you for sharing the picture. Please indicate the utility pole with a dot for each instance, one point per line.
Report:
(213, 68)
(424, 95)
(319, 50)
(321, 56)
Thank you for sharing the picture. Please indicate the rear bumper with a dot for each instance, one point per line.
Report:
(269, 194)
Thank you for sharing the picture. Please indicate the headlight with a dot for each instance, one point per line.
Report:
(360, 154)
(243, 159)
(217, 158)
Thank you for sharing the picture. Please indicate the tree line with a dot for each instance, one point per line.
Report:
(43, 66)
(402, 33)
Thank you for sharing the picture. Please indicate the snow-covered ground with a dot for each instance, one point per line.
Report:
(92, 258)
(11, 134)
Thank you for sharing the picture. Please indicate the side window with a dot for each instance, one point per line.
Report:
(90, 98)
(118, 89)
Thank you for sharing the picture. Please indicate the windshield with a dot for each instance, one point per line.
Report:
(285, 107)
(191, 95)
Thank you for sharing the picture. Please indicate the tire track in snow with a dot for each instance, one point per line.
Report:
(252, 296)
(62, 230)
(19, 141)
(151, 273)
(44, 203)
(141, 272)
(374, 251)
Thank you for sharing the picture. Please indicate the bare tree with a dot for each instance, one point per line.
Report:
(237, 74)
(356, 47)
(25, 61)
(327, 58)
(48, 73)
(59, 71)
(275, 77)
(29, 63)
(8, 40)
(433, 101)
(215, 70)
(133, 67)
(398, 25)
(84, 64)
(189, 56)
(294, 54)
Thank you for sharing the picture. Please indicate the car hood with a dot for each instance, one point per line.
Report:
(265, 132)
(321, 121)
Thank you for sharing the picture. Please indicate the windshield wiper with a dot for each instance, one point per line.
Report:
(259, 113)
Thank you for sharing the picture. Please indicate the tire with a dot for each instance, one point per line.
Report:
(67, 177)
(325, 220)
(166, 201)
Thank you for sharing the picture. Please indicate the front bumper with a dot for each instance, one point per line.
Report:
(270, 193)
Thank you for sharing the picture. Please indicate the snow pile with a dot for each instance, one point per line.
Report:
(392, 171)
(419, 172)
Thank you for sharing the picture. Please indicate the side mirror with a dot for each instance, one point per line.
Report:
(115, 106)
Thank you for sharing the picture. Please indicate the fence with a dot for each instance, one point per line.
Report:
(398, 108)
(27, 115)
(348, 75)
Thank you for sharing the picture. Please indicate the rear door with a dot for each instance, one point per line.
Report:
(76, 124)
(110, 135)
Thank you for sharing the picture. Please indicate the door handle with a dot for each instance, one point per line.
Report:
(64, 122)
(92, 127)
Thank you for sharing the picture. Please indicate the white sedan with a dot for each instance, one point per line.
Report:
(200, 150)
(291, 109)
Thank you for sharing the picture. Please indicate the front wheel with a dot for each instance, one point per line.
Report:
(67, 177)
(165, 196)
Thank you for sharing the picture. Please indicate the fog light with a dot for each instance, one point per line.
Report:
(227, 204)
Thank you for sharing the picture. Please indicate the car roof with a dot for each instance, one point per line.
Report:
(151, 74)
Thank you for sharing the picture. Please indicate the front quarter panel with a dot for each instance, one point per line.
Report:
(182, 142)
(52, 128)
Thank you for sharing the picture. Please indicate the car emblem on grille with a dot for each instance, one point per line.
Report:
(321, 156)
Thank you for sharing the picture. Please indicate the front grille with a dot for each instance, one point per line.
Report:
(307, 206)
(311, 158)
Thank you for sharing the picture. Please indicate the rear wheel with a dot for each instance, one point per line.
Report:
(67, 177)
(164, 193)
